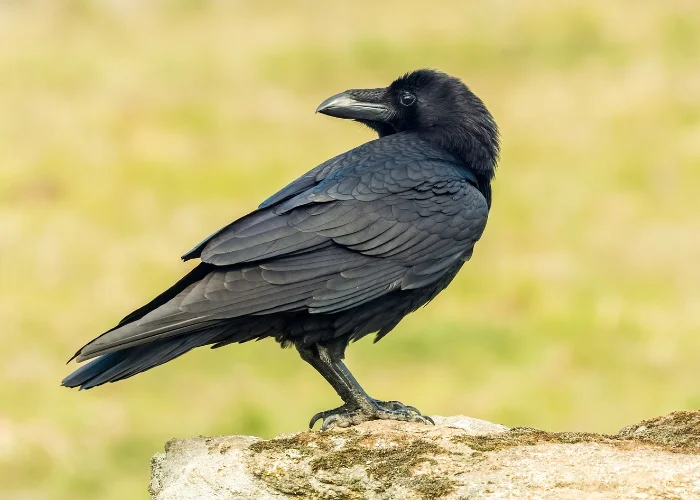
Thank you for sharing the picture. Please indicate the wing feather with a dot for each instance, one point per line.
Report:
(378, 219)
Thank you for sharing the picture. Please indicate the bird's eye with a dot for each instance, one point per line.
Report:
(407, 99)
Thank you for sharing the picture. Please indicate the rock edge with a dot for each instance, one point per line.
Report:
(460, 457)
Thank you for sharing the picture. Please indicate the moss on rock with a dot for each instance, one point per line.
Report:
(387, 462)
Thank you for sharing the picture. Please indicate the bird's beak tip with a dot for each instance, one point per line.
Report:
(344, 105)
(333, 102)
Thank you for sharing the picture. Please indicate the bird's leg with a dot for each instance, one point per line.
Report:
(359, 407)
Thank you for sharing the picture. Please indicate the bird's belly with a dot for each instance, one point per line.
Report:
(380, 315)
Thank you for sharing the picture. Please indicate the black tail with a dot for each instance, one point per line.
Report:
(128, 362)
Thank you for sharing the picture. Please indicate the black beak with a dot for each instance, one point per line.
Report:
(363, 105)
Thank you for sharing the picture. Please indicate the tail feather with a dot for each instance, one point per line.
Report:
(128, 362)
(193, 276)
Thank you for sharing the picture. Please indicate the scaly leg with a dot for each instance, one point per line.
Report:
(358, 407)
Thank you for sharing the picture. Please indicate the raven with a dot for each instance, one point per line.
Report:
(346, 250)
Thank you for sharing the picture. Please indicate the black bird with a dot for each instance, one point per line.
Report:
(346, 250)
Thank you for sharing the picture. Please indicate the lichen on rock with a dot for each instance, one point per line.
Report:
(678, 431)
(352, 460)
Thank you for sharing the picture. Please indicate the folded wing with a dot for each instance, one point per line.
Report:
(327, 246)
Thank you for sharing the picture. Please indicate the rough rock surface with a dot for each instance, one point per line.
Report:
(458, 458)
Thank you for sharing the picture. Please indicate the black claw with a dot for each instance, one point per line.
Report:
(315, 419)
(324, 415)
(328, 422)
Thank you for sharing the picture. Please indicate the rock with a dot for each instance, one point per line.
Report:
(458, 458)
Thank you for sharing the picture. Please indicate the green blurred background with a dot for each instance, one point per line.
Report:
(129, 131)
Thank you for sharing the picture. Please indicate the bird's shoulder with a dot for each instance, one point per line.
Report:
(393, 159)
(399, 177)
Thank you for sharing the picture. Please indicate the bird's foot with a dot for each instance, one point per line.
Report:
(398, 405)
(349, 415)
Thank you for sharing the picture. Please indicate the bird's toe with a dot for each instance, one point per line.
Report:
(324, 415)
(345, 419)
(347, 416)
(403, 415)
(396, 406)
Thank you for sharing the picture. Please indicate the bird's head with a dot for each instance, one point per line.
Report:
(438, 107)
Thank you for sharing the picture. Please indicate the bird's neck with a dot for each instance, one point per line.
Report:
(476, 147)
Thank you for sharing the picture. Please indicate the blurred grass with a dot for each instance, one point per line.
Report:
(131, 131)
